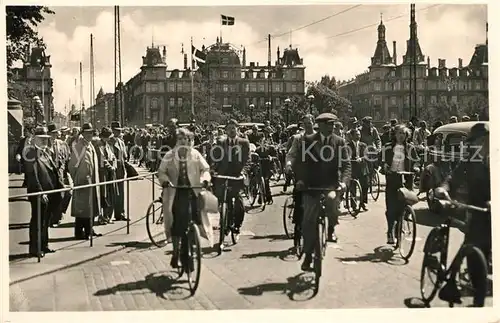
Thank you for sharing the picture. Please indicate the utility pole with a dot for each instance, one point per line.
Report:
(119, 113)
(269, 81)
(81, 95)
(92, 82)
(413, 29)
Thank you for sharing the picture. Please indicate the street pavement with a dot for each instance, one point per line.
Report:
(125, 272)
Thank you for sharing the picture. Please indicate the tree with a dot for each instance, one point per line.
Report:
(329, 82)
(21, 23)
(478, 104)
(327, 100)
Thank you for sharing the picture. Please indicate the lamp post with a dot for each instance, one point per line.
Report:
(287, 105)
(251, 107)
(268, 106)
(310, 99)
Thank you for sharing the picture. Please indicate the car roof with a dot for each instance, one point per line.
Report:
(463, 127)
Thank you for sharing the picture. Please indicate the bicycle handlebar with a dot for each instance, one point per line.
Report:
(448, 201)
(239, 178)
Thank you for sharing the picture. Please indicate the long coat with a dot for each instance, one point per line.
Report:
(198, 171)
(84, 169)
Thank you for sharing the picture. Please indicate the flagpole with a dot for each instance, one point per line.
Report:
(192, 79)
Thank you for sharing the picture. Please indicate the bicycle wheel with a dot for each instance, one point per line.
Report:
(262, 193)
(288, 217)
(354, 197)
(375, 185)
(432, 269)
(318, 257)
(253, 191)
(462, 277)
(194, 256)
(154, 223)
(324, 225)
(222, 226)
(407, 233)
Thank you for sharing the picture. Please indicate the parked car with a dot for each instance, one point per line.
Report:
(446, 147)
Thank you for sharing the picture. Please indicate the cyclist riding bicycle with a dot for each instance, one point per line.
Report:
(474, 173)
(183, 166)
(265, 153)
(323, 161)
(230, 157)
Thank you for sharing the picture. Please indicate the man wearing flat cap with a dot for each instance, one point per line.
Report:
(230, 156)
(323, 162)
(41, 175)
(473, 173)
(120, 151)
(107, 172)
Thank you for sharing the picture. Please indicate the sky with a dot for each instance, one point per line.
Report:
(339, 46)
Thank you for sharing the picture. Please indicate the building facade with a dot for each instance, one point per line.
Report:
(388, 89)
(35, 76)
(224, 81)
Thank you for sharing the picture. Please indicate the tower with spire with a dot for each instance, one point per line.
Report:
(381, 56)
(412, 44)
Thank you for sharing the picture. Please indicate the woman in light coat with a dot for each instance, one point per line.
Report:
(183, 166)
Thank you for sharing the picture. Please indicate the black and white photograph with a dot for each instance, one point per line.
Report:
(251, 156)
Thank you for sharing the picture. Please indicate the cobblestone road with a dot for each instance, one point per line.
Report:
(360, 271)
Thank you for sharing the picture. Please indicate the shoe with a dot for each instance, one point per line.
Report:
(306, 264)
(363, 206)
(390, 238)
(450, 293)
(331, 236)
(174, 262)
(47, 250)
(34, 253)
(95, 234)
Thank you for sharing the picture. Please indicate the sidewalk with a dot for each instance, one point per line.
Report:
(70, 252)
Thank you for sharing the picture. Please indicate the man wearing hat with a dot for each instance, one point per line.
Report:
(230, 156)
(84, 169)
(453, 119)
(465, 118)
(352, 124)
(41, 175)
(474, 174)
(107, 172)
(60, 153)
(120, 151)
(323, 162)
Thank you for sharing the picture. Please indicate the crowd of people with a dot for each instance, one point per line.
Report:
(55, 158)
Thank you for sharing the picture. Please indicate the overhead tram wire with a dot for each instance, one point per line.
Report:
(309, 25)
(377, 23)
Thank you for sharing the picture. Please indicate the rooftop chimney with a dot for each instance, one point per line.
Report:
(185, 61)
(394, 54)
(460, 63)
(441, 63)
(428, 62)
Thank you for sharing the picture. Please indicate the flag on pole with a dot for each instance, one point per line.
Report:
(198, 56)
(227, 20)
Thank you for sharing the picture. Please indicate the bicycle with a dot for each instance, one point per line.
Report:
(293, 227)
(156, 228)
(322, 225)
(191, 241)
(257, 186)
(353, 197)
(435, 260)
(406, 225)
(224, 225)
(374, 184)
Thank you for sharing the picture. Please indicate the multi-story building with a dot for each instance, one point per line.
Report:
(388, 89)
(35, 76)
(225, 81)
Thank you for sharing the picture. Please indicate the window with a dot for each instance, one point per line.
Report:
(420, 100)
(377, 86)
(262, 101)
(225, 74)
(406, 85)
(477, 85)
(377, 100)
(278, 102)
(393, 100)
(148, 87)
(443, 99)
(171, 87)
(454, 99)
(247, 101)
(393, 73)
(226, 101)
(262, 87)
(253, 87)
(154, 103)
(406, 72)
(225, 60)
(179, 101)
(154, 87)
(171, 102)
(277, 87)
(420, 84)
(433, 99)
(225, 88)
(407, 100)
(294, 75)
(186, 87)
(155, 116)
(254, 101)
(247, 87)
(294, 87)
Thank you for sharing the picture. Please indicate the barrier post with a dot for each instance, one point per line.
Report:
(128, 207)
(91, 238)
(39, 227)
